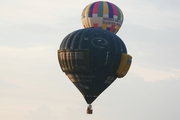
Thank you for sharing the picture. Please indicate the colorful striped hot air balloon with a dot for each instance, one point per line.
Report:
(104, 15)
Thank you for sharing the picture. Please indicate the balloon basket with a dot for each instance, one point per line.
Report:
(89, 110)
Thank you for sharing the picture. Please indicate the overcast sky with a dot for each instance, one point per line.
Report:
(33, 87)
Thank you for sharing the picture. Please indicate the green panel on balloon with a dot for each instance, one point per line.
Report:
(74, 60)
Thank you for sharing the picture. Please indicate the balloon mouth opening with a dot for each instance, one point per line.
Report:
(90, 98)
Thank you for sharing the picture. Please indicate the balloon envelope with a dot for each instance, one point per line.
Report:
(90, 58)
(102, 14)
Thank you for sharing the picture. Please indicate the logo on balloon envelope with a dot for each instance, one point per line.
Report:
(112, 21)
(100, 43)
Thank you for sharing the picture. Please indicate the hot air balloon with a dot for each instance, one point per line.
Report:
(92, 59)
(104, 15)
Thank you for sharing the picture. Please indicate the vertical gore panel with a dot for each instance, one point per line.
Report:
(90, 12)
(100, 9)
(111, 13)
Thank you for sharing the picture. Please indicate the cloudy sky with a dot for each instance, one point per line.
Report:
(33, 87)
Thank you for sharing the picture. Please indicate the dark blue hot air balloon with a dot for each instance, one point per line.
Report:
(92, 59)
